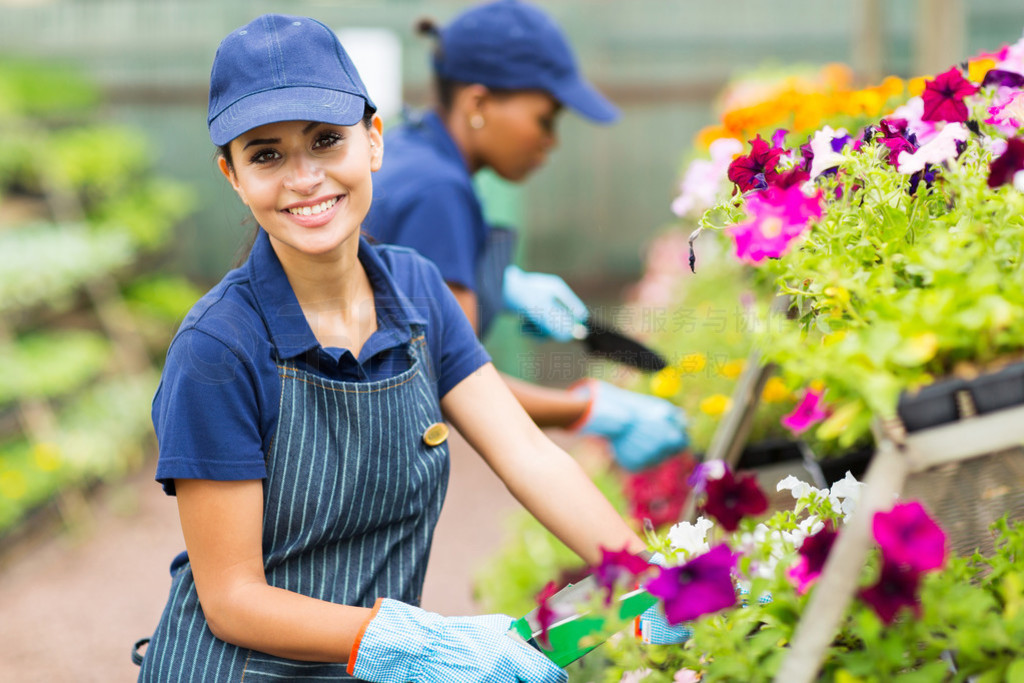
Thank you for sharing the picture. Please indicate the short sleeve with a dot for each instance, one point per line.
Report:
(461, 351)
(206, 414)
(442, 226)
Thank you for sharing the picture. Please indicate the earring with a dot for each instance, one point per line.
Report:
(476, 121)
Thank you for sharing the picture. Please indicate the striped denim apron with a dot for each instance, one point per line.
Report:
(498, 252)
(351, 499)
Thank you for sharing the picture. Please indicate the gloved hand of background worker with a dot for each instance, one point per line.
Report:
(405, 643)
(549, 306)
(642, 430)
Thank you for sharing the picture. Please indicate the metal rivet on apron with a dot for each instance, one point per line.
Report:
(436, 434)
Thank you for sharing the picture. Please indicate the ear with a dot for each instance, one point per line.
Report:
(229, 173)
(472, 99)
(376, 133)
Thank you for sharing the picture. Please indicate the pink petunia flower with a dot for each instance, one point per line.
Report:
(700, 186)
(778, 217)
(806, 413)
(908, 537)
(618, 569)
(944, 97)
(546, 615)
(813, 554)
(701, 586)
(1007, 111)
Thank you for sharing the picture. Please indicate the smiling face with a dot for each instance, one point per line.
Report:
(307, 184)
(519, 132)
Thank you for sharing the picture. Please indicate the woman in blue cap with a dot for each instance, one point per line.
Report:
(504, 71)
(300, 414)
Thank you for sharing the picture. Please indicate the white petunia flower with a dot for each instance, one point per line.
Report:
(939, 149)
(845, 493)
(691, 538)
(821, 145)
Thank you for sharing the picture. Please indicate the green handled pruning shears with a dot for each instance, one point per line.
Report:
(571, 637)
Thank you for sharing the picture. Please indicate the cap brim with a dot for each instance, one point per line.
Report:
(286, 104)
(585, 100)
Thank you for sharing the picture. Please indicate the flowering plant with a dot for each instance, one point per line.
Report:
(919, 614)
(897, 244)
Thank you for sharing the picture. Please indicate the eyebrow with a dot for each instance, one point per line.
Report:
(271, 141)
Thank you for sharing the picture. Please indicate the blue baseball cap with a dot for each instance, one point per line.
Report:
(514, 45)
(282, 68)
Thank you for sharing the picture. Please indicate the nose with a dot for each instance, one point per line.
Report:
(304, 174)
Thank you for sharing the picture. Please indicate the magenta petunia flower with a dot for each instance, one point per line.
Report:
(813, 554)
(944, 97)
(1007, 164)
(617, 568)
(701, 586)
(754, 171)
(546, 616)
(778, 217)
(731, 498)
(908, 537)
(896, 588)
(806, 413)
(896, 136)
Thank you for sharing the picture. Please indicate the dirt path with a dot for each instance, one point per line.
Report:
(71, 604)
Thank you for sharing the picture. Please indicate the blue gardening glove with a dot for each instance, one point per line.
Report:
(403, 643)
(550, 307)
(643, 430)
(653, 628)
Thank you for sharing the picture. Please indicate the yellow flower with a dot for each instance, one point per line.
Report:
(12, 485)
(977, 69)
(692, 362)
(774, 391)
(732, 369)
(666, 383)
(915, 86)
(46, 456)
(715, 405)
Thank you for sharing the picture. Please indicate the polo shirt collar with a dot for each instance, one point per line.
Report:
(289, 331)
(445, 144)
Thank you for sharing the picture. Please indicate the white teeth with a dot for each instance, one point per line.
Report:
(313, 210)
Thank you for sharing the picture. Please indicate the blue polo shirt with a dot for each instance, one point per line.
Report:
(216, 409)
(423, 198)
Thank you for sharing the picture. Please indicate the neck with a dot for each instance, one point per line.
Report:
(334, 293)
(461, 133)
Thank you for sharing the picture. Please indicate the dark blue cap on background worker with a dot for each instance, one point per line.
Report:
(516, 46)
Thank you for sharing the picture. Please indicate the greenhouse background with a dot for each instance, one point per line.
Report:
(589, 215)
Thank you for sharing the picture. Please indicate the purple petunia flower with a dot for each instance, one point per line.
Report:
(701, 586)
(908, 537)
(731, 498)
(896, 588)
(944, 97)
(754, 171)
(1007, 164)
(813, 554)
(1004, 78)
